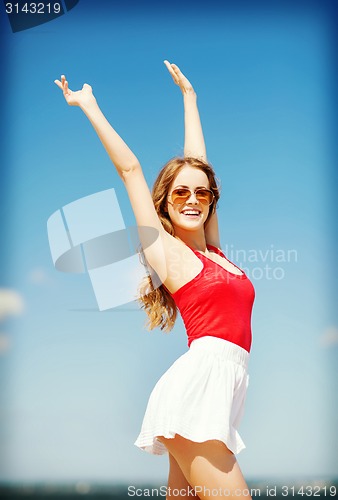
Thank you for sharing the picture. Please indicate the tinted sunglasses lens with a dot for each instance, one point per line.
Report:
(204, 196)
(180, 196)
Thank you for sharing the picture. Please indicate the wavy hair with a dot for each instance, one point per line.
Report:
(157, 302)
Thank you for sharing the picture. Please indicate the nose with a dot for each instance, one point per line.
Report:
(192, 199)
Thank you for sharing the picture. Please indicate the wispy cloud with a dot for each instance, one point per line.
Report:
(11, 303)
(329, 338)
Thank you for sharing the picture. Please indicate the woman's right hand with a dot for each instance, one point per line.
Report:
(77, 98)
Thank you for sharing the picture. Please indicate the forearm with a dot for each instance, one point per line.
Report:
(120, 154)
(194, 145)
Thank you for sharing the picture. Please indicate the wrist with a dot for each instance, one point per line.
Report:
(189, 94)
(89, 105)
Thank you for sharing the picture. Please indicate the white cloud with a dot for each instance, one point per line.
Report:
(11, 303)
(330, 337)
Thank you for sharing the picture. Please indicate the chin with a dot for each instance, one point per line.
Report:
(190, 227)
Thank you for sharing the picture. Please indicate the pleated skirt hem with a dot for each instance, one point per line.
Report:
(149, 442)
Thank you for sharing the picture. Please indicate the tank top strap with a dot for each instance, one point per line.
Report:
(209, 247)
(216, 250)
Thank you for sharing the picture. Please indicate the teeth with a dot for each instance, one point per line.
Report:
(190, 212)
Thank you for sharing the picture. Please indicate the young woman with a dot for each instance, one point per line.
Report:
(195, 408)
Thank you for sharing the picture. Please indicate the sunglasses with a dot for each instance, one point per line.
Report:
(182, 195)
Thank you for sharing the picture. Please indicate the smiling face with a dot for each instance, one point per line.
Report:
(191, 214)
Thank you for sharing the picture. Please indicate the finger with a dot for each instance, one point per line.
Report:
(63, 79)
(177, 70)
(66, 88)
(181, 77)
(167, 63)
(171, 71)
(59, 84)
(169, 66)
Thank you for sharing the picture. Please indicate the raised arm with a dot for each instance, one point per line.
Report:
(128, 168)
(194, 145)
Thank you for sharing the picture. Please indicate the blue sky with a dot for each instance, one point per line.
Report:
(76, 380)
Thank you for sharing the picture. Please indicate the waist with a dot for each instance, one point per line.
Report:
(228, 350)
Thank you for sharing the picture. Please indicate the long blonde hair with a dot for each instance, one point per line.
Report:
(157, 302)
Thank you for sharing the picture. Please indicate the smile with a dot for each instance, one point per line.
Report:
(192, 213)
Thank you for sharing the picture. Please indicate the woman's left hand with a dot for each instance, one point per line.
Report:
(178, 77)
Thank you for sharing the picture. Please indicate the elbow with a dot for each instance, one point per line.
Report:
(130, 170)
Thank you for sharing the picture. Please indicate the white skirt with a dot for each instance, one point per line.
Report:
(200, 397)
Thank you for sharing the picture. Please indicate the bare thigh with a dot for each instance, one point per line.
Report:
(209, 467)
(178, 482)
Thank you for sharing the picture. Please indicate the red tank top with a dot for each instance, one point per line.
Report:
(217, 303)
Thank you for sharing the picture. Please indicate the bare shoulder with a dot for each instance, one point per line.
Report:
(182, 265)
(174, 262)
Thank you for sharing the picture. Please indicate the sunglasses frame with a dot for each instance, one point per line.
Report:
(193, 192)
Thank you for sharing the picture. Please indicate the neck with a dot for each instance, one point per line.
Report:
(193, 239)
